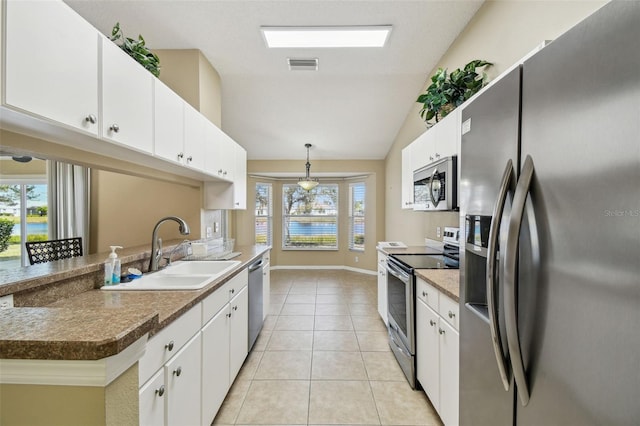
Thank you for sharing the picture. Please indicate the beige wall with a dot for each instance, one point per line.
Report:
(124, 209)
(35, 167)
(188, 73)
(501, 32)
(372, 175)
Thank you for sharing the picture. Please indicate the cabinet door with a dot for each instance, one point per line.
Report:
(194, 138)
(183, 382)
(127, 99)
(215, 364)
(152, 399)
(52, 63)
(407, 179)
(266, 289)
(448, 134)
(382, 287)
(449, 373)
(240, 178)
(239, 338)
(427, 352)
(168, 123)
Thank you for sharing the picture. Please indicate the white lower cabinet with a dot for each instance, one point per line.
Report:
(239, 329)
(437, 350)
(189, 366)
(266, 284)
(382, 287)
(152, 396)
(183, 380)
(215, 363)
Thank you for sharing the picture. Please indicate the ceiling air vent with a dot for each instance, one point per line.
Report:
(303, 64)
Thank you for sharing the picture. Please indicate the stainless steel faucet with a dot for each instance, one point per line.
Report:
(156, 242)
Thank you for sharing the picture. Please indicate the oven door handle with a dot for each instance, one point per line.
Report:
(398, 274)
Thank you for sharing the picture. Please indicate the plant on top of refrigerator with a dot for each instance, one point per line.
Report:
(449, 90)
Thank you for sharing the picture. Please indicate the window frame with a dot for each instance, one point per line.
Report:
(352, 217)
(268, 215)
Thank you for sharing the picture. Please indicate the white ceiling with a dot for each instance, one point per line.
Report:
(352, 108)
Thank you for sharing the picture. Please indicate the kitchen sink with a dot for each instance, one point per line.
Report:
(179, 276)
(200, 267)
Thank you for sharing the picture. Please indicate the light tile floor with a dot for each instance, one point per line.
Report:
(323, 358)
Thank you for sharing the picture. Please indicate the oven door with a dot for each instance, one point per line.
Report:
(400, 301)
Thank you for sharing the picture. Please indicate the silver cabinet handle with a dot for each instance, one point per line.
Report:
(178, 371)
(510, 278)
(451, 314)
(91, 119)
(437, 155)
(431, 157)
(235, 308)
(219, 171)
(160, 391)
(425, 294)
(440, 331)
(189, 159)
(180, 155)
(224, 173)
(237, 203)
(492, 306)
(229, 315)
(169, 346)
(232, 291)
(432, 323)
(114, 128)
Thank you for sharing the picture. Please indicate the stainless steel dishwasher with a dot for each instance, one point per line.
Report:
(255, 301)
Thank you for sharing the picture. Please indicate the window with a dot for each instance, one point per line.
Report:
(264, 214)
(310, 218)
(23, 217)
(357, 193)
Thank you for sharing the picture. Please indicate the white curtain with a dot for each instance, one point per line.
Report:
(68, 188)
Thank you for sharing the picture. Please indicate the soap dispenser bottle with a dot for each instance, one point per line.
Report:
(112, 267)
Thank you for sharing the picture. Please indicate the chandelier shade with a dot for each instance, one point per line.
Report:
(308, 183)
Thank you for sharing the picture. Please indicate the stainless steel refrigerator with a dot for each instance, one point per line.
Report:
(550, 215)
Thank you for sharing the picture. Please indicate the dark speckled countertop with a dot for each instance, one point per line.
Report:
(96, 324)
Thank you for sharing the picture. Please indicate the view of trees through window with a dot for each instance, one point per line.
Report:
(23, 217)
(357, 193)
(264, 214)
(310, 218)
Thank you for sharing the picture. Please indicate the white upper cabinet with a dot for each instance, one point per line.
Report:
(168, 123)
(440, 141)
(240, 178)
(127, 99)
(407, 177)
(194, 138)
(51, 64)
(219, 154)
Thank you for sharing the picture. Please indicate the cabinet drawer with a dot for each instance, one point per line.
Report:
(427, 293)
(213, 303)
(165, 344)
(266, 258)
(449, 310)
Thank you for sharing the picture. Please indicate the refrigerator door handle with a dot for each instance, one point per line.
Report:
(494, 231)
(510, 279)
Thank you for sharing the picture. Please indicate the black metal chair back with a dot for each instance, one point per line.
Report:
(48, 251)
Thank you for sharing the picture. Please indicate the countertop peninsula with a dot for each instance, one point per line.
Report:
(96, 324)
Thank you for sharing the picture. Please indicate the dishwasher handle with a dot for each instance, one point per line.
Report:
(255, 266)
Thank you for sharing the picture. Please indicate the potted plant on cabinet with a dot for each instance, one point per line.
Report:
(137, 50)
(448, 91)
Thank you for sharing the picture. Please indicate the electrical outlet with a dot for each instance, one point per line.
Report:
(216, 227)
(208, 232)
(6, 301)
(438, 232)
(357, 259)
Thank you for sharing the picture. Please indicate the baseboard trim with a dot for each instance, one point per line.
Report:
(317, 267)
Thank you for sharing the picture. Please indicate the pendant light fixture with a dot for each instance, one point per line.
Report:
(307, 182)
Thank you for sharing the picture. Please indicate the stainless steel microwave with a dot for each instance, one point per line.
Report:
(435, 186)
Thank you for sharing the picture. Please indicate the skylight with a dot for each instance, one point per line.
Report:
(306, 37)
